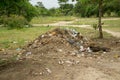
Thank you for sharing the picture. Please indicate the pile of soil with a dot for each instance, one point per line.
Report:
(55, 40)
(63, 39)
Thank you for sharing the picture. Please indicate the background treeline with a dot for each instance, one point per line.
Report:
(110, 8)
(17, 13)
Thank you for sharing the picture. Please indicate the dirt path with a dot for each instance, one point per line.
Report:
(68, 23)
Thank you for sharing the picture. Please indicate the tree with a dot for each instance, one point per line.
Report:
(63, 1)
(100, 16)
(17, 7)
(65, 7)
(40, 5)
(99, 2)
(86, 9)
(42, 11)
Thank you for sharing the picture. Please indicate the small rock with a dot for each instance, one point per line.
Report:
(43, 36)
(104, 52)
(73, 54)
(69, 62)
(111, 60)
(61, 62)
(82, 54)
(60, 50)
(41, 73)
(77, 62)
(48, 70)
(36, 41)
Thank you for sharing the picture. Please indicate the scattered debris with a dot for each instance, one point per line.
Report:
(18, 49)
(61, 62)
(28, 53)
(48, 70)
(60, 50)
(63, 40)
(69, 62)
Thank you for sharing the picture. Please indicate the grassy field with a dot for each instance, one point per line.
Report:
(13, 39)
(17, 38)
(44, 20)
(109, 23)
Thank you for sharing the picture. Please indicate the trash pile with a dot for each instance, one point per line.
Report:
(59, 39)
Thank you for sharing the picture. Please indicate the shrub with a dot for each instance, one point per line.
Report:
(13, 21)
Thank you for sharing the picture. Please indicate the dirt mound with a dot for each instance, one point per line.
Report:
(57, 39)
(63, 39)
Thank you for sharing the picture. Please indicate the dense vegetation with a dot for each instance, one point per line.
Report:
(16, 13)
(88, 9)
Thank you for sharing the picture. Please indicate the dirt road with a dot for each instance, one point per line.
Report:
(69, 23)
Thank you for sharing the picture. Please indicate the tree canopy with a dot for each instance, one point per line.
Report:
(18, 7)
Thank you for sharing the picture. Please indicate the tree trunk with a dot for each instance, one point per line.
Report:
(100, 16)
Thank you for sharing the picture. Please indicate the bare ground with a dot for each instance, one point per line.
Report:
(62, 65)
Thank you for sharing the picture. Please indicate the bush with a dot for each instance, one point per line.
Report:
(14, 21)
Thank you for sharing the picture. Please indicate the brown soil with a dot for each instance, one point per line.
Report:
(55, 55)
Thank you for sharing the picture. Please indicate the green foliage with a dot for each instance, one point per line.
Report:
(22, 37)
(40, 5)
(87, 8)
(63, 1)
(66, 9)
(41, 10)
(17, 7)
(14, 21)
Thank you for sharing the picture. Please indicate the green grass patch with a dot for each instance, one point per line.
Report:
(17, 38)
(86, 21)
(113, 25)
(44, 20)
(109, 23)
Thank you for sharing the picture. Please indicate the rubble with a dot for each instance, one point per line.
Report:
(58, 40)
(48, 70)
